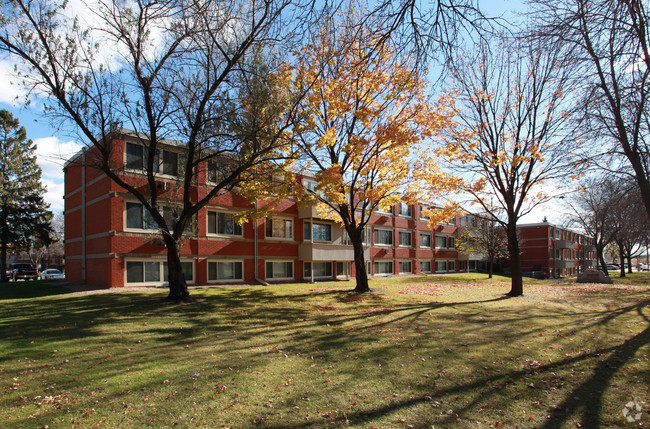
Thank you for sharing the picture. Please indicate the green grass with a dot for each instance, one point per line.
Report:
(443, 351)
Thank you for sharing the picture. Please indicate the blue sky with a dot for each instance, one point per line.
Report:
(54, 147)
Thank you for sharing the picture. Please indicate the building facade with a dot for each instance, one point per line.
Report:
(111, 242)
(555, 251)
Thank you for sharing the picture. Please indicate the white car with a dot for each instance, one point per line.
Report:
(52, 274)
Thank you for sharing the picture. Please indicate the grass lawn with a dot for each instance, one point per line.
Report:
(437, 351)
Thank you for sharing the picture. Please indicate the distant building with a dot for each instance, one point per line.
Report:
(555, 251)
(110, 242)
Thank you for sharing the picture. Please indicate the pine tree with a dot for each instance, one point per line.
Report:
(24, 215)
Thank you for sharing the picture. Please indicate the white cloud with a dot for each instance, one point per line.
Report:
(54, 195)
(52, 153)
(9, 87)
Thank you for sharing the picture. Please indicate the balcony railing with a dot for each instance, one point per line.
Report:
(563, 244)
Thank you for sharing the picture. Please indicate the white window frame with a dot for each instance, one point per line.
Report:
(222, 261)
(441, 236)
(311, 231)
(443, 270)
(311, 269)
(427, 270)
(282, 219)
(378, 262)
(410, 264)
(162, 272)
(159, 158)
(422, 245)
(144, 212)
(399, 238)
(216, 226)
(451, 266)
(423, 208)
(266, 271)
(409, 210)
(392, 235)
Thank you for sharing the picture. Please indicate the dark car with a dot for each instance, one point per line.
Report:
(23, 271)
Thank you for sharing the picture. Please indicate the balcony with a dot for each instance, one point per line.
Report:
(563, 244)
(559, 264)
(328, 252)
(309, 212)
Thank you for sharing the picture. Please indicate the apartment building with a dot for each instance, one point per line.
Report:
(555, 251)
(111, 242)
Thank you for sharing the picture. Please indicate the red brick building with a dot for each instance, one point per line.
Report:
(555, 251)
(110, 242)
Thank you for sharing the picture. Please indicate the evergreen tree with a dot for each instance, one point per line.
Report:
(24, 215)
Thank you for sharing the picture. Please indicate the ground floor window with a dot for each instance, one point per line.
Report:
(343, 269)
(225, 270)
(321, 269)
(441, 266)
(425, 266)
(451, 266)
(405, 267)
(279, 270)
(144, 271)
(472, 265)
(383, 267)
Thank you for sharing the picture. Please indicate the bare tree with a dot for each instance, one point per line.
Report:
(594, 209)
(512, 135)
(633, 225)
(484, 236)
(607, 43)
(176, 69)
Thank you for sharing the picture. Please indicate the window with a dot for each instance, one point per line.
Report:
(321, 269)
(383, 236)
(451, 266)
(343, 269)
(425, 240)
(223, 223)
(225, 270)
(441, 241)
(155, 271)
(138, 218)
(405, 267)
(422, 209)
(279, 270)
(169, 163)
(425, 266)
(165, 161)
(441, 266)
(134, 156)
(383, 267)
(451, 242)
(404, 209)
(405, 238)
(310, 185)
(188, 271)
(320, 231)
(472, 265)
(279, 228)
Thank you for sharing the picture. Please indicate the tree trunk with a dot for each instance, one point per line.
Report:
(361, 274)
(601, 259)
(629, 262)
(491, 266)
(3, 247)
(621, 253)
(178, 290)
(517, 285)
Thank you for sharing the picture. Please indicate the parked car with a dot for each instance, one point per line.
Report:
(23, 271)
(643, 267)
(52, 274)
(613, 267)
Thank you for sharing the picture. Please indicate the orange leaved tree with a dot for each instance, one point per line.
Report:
(364, 112)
